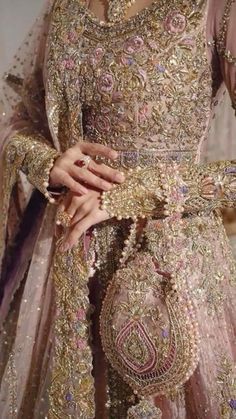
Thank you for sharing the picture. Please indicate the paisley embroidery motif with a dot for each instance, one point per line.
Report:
(148, 332)
(136, 348)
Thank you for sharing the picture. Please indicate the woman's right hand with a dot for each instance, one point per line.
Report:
(65, 171)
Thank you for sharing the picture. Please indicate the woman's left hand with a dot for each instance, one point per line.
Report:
(84, 212)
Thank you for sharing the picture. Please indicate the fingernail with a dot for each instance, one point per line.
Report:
(107, 187)
(114, 154)
(120, 177)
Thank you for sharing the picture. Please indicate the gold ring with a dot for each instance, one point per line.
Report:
(63, 218)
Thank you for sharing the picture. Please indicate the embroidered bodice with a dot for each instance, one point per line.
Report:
(142, 84)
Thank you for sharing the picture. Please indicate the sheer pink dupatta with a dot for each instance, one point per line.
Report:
(27, 227)
(221, 144)
(22, 105)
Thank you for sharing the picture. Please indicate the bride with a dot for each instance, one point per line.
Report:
(118, 281)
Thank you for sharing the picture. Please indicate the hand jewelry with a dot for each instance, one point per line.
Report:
(84, 162)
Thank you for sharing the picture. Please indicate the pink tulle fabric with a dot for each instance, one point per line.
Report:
(26, 287)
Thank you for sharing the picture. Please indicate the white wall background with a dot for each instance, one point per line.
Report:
(16, 18)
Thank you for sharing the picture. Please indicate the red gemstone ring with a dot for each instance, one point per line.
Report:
(83, 161)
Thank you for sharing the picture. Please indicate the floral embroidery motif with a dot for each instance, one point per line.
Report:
(105, 83)
(102, 123)
(96, 56)
(72, 384)
(68, 64)
(175, 23)
(133, 44)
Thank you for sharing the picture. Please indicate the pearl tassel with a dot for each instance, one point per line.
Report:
(47, 171)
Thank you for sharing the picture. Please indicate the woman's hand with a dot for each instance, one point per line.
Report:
(84, 212)
(67, 173)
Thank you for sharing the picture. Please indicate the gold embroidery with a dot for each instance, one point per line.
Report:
(12, 379)
(137, 96)
(117, 9)
(145, 329)
(221, 42)
(144, 410)
(210, 186)
(226, 379)
(208, 279)
(206, 187)
(72, 387)
(36, 159)
(109, 243)
(139, 196)
(32, 155)
(65, 119)
(132, 86)
(148, 326)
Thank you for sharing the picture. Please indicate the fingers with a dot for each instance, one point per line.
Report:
(65, 171)
(67, 180)
(78, 208)
(75, 232)
(98, 150)
(64, 203)
(88, 177)
(106, 172)
(82, 212)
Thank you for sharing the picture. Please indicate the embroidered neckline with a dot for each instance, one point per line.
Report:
(141, 15)
(157, 10)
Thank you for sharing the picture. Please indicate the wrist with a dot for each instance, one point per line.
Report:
(39, 171)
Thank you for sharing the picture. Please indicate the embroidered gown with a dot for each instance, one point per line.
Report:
(148, 87)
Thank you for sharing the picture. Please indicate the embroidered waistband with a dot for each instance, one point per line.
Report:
(130, 159)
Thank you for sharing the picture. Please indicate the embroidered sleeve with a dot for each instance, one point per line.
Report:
(146, 191)
(226, 46)
(26, 143)
(34, 156)
(140, 195)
